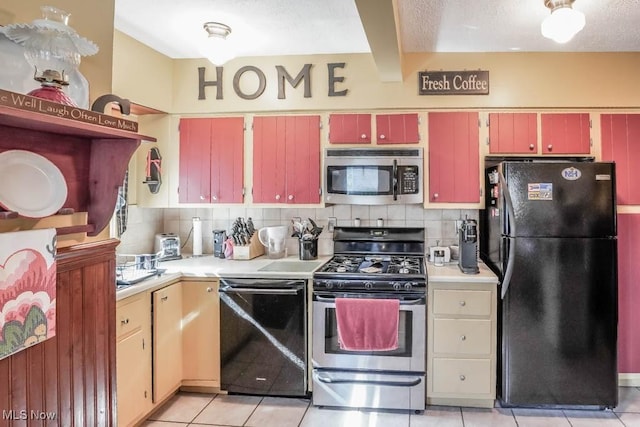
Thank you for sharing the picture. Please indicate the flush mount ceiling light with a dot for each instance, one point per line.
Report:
(216, 47)
(564, 21)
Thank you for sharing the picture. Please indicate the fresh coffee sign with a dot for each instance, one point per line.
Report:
(453, 82)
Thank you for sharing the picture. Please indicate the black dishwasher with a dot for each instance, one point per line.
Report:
(263, 336)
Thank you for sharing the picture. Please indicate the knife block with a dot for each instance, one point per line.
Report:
(252, 250)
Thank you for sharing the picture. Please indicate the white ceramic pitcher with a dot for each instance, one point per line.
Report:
(273, 238)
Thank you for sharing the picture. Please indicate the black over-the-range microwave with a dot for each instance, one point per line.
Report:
(373, 176)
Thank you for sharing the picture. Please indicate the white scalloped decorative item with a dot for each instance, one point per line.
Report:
(50, 34)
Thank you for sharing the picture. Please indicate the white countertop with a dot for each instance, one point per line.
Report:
(290, 267)
(450, 272)
(209, 266)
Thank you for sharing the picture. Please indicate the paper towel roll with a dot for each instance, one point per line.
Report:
(197, 236)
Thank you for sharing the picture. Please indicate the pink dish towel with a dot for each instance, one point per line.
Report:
(367, 324)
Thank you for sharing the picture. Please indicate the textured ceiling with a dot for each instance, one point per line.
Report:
(294, 27)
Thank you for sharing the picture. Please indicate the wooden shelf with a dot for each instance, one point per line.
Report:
(92, 158)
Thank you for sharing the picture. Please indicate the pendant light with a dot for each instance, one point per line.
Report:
(216, 47)
(563, 23)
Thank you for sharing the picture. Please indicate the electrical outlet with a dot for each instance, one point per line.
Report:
(331, 223)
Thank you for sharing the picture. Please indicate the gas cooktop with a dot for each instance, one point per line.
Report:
(374, 264)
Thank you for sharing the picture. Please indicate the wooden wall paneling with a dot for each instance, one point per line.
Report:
(51, 377)
(71, 375)
(64, 345)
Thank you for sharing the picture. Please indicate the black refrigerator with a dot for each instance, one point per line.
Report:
(549, 231)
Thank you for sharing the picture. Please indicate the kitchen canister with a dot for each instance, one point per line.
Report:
(308, 249)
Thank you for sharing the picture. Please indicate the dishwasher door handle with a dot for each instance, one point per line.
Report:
(259, 291)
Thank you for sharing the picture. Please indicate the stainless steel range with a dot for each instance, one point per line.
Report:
(372, 264)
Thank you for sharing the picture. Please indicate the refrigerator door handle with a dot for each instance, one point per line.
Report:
(506, 279)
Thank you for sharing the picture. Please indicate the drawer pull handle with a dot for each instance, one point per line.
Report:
(462, 378)
(462, 338)
(462, 303)
(124, 321)
(209, 289)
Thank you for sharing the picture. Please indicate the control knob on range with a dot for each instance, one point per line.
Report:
(408, 286)
(328, 284)
(397, 286)
(368, 285)
(340, 285)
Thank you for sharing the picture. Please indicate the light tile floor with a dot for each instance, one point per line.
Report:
(190, 409)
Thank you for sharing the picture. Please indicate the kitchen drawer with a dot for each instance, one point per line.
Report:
(462, 376)
(462, 336)
(130, 315)
(462, 303)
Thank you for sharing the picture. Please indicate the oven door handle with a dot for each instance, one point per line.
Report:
(402, 302)
(413, 383)
(258, 291)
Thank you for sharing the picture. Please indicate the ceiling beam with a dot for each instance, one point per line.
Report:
(379, 19)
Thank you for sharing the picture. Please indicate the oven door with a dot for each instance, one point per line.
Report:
(409, 356)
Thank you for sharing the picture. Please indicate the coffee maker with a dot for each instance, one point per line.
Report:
(219, 239)
(468, 242)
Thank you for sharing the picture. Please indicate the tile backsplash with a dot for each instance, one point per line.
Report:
(144, 223)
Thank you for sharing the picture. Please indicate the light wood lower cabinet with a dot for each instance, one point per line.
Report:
(167, 341)
(200, 334)
(181, 347)
(133, 359)
(461, 344)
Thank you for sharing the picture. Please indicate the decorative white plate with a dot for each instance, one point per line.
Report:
(30, 184)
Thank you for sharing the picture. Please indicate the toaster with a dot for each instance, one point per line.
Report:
(167, 245)
(445, 249)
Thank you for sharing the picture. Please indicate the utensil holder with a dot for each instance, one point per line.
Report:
(308, 249)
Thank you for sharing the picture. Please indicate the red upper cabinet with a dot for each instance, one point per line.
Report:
(513, 133)
(350, 128)
(628, 293)
(620, 137)
(454, 158)
(566, 133)
(397, 129)
(211, 160)
(286, 159)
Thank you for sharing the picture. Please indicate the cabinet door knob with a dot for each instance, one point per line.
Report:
(290, 197)
(363, 136)
(209, 289)
(382, 136)
(164, 298)
(214, 197)
(550, 147)
(463, 303)
(531, 147)
(124, 321)
(462, 378)
(463, 337)
(435, 195)
(201, 197)
(277, 197)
